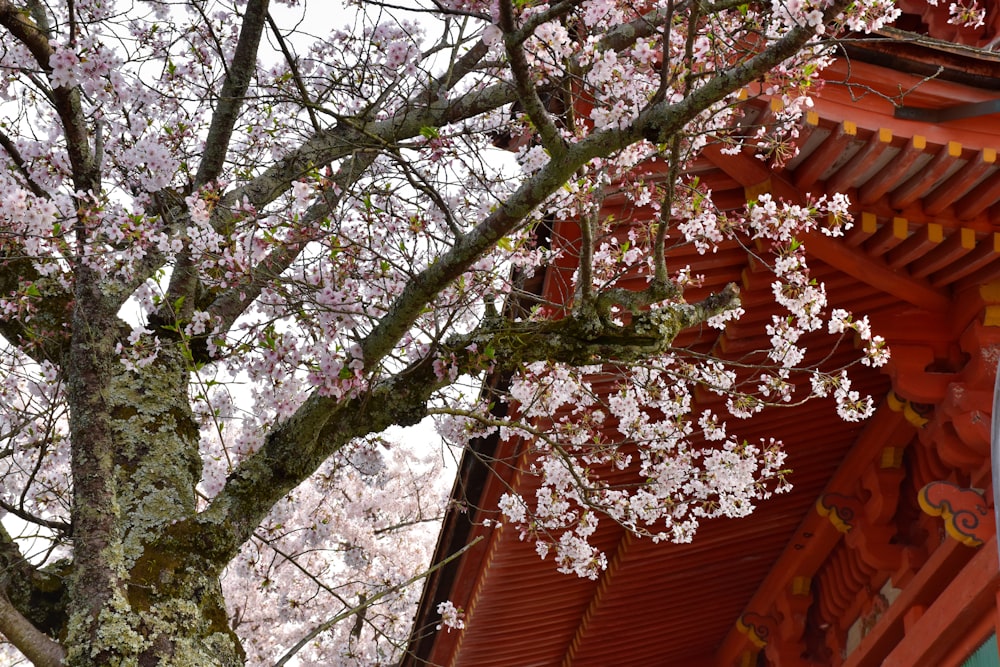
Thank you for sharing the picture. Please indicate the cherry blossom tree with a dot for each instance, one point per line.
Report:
(240, 242)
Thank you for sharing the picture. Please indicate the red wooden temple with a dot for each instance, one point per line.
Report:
(884, 553)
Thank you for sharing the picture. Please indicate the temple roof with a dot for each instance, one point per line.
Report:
(919, 262)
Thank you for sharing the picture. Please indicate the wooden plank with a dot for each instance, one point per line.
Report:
(977, 201)
(916, 246)
(959, 183)
(876, 273)
(920, 183)
(886, 179)
(861, 162)
(955, 246)
(986, 251)
(826, 154)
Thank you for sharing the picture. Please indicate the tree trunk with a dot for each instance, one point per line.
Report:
(134, 600)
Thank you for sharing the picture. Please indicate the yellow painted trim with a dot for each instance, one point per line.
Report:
(751, 634)
(900, 228)
(991, 318)
(913, 416)
(801, 585)
(831, 514)
(990, 292)
(892, 457)
(751, 192)
(935, 232)
(869, 223)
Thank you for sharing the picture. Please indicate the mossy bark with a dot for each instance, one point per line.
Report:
(133, 597)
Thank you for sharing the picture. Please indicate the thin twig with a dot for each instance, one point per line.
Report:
(326, 625)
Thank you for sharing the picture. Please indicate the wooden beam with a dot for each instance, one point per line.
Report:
(916, 246)
(860, 233)
(876, 273)
(959, 183)
(887, 238)
(807, 173)
(919, 593)
(862, 161)
(986, 252)
(889, 176)
(954, 247)
(742, 167)
(984, 196)
(921, 182)
(969, 597)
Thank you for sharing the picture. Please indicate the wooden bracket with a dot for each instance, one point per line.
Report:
(757, 627)
(964, 511)
(842, 511)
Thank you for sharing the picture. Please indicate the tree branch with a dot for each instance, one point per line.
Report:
(429, 108)
(657, 124)
(322, 425)
(527, 94)
(297, 446)
(292, 451)
(41, 335)
(58, 526)
(296, 75)
(21, 165)
(36, 646)
(233, 93)
(229, 305)
(585, 338)
(67, 100)
(369, 601)
(32, 596)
